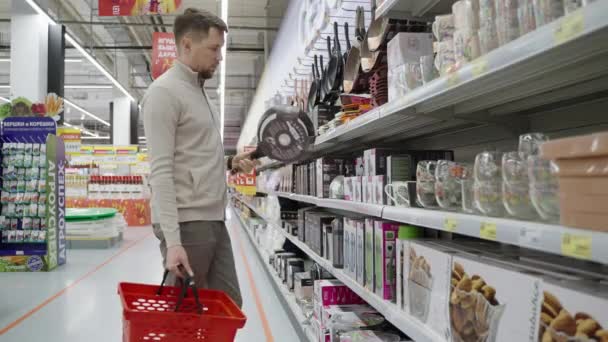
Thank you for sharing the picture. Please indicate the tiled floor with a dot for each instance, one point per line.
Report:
(78, 302)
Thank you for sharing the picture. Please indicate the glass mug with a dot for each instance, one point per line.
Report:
(398, 193)
(487, 198)
(425, 171)
(488, 166)
(448, 179)
(530, 143)
(514, 168)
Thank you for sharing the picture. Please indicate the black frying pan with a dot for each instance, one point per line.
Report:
(285, 134)
(334, 69)
(313, 93)
(322, 81)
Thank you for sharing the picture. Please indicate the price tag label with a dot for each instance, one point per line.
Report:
(569, 27)
(450, 224)
(453, 79)
(479, 66)
(488, 231)
(576, 246)
(530, 237)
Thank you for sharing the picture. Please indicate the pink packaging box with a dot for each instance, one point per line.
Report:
(384, 258)
(333, 292)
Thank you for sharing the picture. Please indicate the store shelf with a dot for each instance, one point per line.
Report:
(19, 252)
(415, 7)
(550, 238)
(400, 319)
(288, 298)
(567, 55)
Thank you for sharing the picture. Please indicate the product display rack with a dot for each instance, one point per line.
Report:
(560, 60)
(287, 298)
(410, 326)
(36, 208)
(551, 238)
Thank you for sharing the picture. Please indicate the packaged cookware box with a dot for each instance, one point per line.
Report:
(490, 302)
(385, 236)
(405, 235)
(350, 250)
(332, 292)
(358, 189)
(360, 251)
(428, 285)
(369, 254)
(573, 311)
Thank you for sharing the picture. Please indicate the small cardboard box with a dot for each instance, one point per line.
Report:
(303, 286)
(332, 292)
(404, 236)
(408, 47)
(360, 260)
(507, 302)
(429, 284)
(379, 196)
(369, 255)
(572, 309)
(350, 251)
(369, 194)
(365, 189)
(358, 189)
(385, 236)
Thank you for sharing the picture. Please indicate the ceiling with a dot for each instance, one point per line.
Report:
(252, 24)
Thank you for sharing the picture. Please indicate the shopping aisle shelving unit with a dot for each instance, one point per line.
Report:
(409, 325)
(562, 60)
(287, 298)
(551, 238)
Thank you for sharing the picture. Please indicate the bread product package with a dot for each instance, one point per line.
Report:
(385, 236)
(360, 236)
(403, 259)
(369, 254)
(493, 301)
(573, 311)
(429, 284)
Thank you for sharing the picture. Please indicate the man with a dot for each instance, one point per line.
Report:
(187, 159)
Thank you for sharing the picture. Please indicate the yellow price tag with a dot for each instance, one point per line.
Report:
(453, 79)
(569, 27)
(479, 66)
(487, 231)
(450, 224)
(577, 246)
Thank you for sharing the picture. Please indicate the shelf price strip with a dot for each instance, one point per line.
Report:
(487, 231)
(569, 27)
(450, 225)
(577, 246)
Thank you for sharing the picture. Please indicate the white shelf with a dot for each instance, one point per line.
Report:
(414, 7)
(289, 297)
(571, 242)
(400, 319)
(565, 56)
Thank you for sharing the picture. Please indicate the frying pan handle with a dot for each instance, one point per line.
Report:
(337, 38)
(257, 154)
(323, 66)
(328, 46)
(318, 75)
(348, 46)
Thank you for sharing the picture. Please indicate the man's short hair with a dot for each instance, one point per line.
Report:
(198, 22)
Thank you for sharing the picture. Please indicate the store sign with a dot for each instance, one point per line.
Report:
(71, 138)
(127, 8)
(164, 52)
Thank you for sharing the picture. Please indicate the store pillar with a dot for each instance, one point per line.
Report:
(29, 51)
(121, 107)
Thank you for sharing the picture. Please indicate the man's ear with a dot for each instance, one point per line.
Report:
(186, 43)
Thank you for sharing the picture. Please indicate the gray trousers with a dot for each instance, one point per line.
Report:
(209, 250)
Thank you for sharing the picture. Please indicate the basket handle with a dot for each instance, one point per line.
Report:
(187, 282)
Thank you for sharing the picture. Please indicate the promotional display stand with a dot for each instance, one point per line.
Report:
(33, 195)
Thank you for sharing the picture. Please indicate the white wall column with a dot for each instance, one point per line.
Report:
(29, 52)
(121, 113)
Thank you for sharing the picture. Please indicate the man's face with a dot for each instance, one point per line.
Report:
(205, 54)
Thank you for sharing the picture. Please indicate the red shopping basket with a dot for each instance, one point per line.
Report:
(174, 314)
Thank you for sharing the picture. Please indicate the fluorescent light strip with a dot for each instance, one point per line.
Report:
(5, 99)
(224, 15)
(88, 86)
(67, 60)
(82, 129)
(86, 112)
(79, 47)
(105, 137)
(5, 86)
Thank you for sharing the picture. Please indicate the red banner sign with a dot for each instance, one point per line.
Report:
(164, 52)
(127, 8)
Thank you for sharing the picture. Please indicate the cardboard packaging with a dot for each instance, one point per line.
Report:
(360, 167)
(429, 284)
(384, 258)
(375, 161)
(379, 196)
(292, 266)
(315, 221)
(350, 238)
(370, 273)
(360, 252)
(341, 318)
(408, 47)
(326, 170)
(399, 168)
(404, 236)
(573, 311)
(369, 195)
(302, 222)
(365, 189)
(337, 243)
(348, 189)
(493, 301)
(332, 292)
(303, 286)
(358, 189)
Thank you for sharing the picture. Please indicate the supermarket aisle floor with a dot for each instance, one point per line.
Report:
(78, 302)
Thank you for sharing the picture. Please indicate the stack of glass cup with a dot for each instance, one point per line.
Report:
(544, 188)
(449, 176)
(425, 183)
(516, 186)
(487, 185)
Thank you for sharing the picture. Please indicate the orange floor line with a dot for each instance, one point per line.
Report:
(72, 285)
(256, 295)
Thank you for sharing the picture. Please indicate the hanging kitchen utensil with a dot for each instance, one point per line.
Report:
(322, 82)
(285, 134)
(366, 54)
(313, 93)
(360, 29)
(334, 70)
(355, 80)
